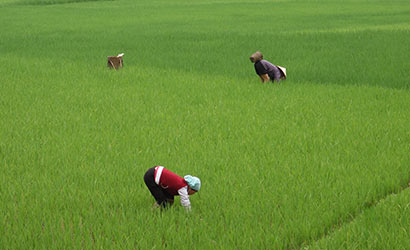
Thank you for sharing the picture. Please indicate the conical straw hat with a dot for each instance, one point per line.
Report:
(283, 69)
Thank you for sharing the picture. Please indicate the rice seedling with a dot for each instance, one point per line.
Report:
(315, 161)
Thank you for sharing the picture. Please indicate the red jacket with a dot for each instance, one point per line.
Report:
(169, 180)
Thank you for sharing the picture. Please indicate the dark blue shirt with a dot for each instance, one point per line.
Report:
(264, 67)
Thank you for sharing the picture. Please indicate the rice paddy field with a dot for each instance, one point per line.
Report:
(319, 161)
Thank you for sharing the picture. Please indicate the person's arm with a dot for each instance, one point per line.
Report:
(261, 72)
(183, 194)
(265, 78)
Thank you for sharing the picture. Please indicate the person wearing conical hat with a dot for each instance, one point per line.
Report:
(164, 185)
(265, 69)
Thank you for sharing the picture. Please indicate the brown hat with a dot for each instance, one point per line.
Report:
(257, 56)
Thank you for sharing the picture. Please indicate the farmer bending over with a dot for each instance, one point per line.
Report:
(266, 70)
(164, 185)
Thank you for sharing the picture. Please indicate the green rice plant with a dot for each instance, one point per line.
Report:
(288, 165)
(51, 2)
(383, 226)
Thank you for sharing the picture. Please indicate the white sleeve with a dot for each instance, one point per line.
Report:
(183, 194)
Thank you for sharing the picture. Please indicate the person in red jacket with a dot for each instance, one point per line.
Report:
(164, 185)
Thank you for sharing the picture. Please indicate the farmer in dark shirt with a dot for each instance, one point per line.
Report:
(265, 70)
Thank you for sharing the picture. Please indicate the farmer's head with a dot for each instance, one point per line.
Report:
(194, 184)
(257, 56)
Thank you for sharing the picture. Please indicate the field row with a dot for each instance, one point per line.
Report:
(318, 161)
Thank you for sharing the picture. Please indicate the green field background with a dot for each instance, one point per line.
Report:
(320, 160)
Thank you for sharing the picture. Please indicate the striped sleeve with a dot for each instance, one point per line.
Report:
(158, 173)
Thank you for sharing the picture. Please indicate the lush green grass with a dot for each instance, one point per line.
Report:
(46, 2)
(283, 166)
(385, 225)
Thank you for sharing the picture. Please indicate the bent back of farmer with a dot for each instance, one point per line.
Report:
(265, 69)
(164, 185)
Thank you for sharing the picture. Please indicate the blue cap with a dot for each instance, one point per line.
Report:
(193, 182)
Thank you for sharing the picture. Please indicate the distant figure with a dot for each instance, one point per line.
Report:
(266, 70)
(164, 185)
(115, 62)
